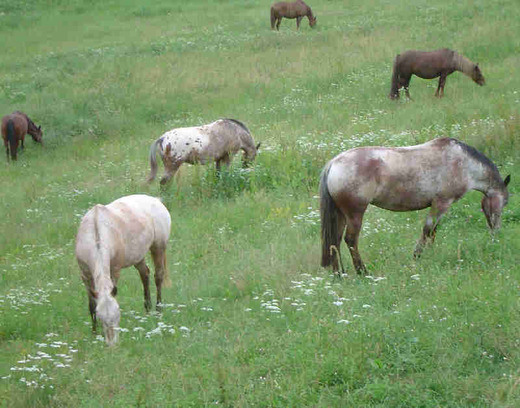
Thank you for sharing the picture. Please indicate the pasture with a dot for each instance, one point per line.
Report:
(250, 318)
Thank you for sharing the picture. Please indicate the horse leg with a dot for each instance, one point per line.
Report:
(406, 86)
(336, 253)
(442, 82)
(278, 23)
(144, 273)
(298, 20)
(225, 160)
(159, 261)
(354, 222)
(437, 211)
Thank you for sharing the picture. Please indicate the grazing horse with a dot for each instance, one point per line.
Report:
(429, 65)
(117, 236)
(297, 9)
(14, 128)
(217, 141)
(434, 174)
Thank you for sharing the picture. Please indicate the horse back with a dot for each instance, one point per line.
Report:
(426, 64)
(19, 123)
(290, 9)
(400, 179)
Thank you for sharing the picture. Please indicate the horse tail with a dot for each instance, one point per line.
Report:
(394, 90)
(11, 138)
(273, 18)
(153, 159)
(329, 219)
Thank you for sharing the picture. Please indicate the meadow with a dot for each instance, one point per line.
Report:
(250, 318)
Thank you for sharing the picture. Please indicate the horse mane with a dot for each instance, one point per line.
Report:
(30, 123)
(463, 64)
(239, 124)
(479, 157)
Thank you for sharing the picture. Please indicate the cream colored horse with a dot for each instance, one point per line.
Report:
(217, 141)
(434, 174)
(117, 236)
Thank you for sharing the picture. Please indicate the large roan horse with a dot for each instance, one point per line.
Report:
(297, 9)
(434, 174)
(14, 128)
(217, 141)
(116, 236)
(429, 65)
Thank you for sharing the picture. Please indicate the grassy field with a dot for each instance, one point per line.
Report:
(250, 318)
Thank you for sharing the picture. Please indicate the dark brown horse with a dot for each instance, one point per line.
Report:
(14, 128)
(434, 174)
(297, 9)
(429, 65)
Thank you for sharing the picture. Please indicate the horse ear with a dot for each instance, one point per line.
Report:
(258, 145)
(40, 127)
(507, 180)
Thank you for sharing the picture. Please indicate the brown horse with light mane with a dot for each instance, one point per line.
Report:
(297, 9)
(429, 65)
(434, 174)
(14, 128)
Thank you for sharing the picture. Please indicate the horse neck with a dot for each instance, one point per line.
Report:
(101, 274)
(102, 279)
(486, 179)
(463, 64)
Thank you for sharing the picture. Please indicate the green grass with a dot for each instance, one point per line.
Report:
(251, 319)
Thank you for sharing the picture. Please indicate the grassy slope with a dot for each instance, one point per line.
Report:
(106, 78)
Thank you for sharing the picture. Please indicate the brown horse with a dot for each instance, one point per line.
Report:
(429, 65)
(297, 9)
(14, 128)
(434, 174)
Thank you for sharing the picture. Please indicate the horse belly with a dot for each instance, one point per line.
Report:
(398, 196)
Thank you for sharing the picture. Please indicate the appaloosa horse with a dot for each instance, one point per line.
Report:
(14, 128)
(297, 9)
(434, 174)
(217, 141)
(116, 236)
(429, 65)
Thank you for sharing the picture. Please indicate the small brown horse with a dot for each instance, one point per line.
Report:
(434, 174)
(14, 128)
(297, 9)
(429, 65)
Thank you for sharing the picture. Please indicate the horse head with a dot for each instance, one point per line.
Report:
(249, 156)
(477, 76)
(107, 311)
(493, 204)
(312, 21)
(36, 133)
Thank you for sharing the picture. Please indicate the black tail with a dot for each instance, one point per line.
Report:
(329, 219)
(394, 90)
(273, 18)
(11, 138)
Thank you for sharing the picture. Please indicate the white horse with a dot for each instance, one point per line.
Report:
(117, 236)
(217, 141)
